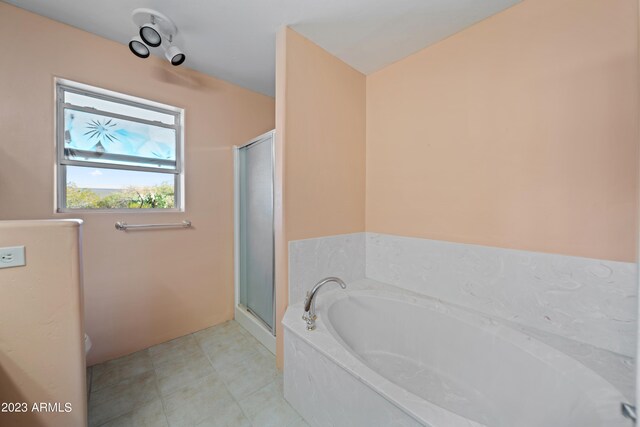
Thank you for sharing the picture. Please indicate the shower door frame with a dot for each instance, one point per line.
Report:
(242, 314)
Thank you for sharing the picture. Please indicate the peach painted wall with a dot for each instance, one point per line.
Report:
(141, 288)
(41, 333)
(519, 132)
(320, 126)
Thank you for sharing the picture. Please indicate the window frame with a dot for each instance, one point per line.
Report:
(62, 86)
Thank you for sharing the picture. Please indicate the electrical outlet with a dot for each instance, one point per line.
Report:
(12, 257)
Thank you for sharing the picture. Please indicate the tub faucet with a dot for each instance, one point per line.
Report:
(309, 315)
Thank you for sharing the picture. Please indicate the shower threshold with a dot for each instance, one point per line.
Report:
(256, 327)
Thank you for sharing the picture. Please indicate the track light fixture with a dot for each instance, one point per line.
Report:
(174, 55)
(150, 34)
(138, 48)
(156, 30)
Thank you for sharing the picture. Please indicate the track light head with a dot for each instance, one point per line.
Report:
(150, 34)
(174, 55)
(138, 47)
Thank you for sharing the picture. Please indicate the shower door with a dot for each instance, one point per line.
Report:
(255, 228)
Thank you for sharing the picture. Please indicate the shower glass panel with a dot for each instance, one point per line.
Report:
(256, 232)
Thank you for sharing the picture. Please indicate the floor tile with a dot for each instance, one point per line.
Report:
(226, 350)
(197, 401)
(226, 330)
(112, 401)
(218, 377)
(177, 373)
(117, 370)
(148, 415)
(268, 408)
(245, 376)
(174, 349)
(300, 422)
(229, 416)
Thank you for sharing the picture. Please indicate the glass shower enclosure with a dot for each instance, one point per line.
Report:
(255, 284)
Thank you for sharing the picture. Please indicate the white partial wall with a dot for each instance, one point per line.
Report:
(586, 300)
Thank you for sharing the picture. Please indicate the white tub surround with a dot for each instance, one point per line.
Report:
(327, 395)
(311, 260)
(617, 369)
(385, 356)
(588, 300)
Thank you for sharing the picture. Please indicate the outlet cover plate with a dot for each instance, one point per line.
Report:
(12, 257)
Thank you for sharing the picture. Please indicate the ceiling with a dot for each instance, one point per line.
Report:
(235, 39)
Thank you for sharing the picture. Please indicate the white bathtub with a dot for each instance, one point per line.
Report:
(382, 357)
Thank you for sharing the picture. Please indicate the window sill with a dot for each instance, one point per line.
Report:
(118, 211)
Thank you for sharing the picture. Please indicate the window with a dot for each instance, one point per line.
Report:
(116, 152)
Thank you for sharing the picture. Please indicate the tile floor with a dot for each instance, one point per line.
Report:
(220, 376)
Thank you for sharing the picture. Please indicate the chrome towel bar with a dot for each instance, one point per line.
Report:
(123, 226)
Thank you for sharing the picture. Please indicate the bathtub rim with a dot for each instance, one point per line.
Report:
(327, 341)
